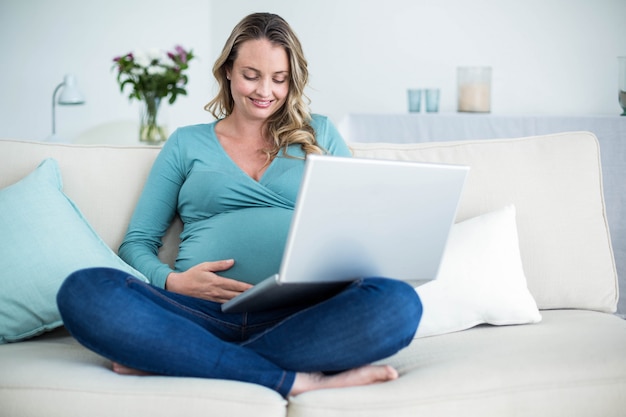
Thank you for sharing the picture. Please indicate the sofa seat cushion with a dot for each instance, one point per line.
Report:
(53, 375)
(571, 364)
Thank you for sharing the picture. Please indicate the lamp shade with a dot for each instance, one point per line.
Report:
(69, 93)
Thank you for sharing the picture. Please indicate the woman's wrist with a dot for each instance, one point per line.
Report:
(171, 280)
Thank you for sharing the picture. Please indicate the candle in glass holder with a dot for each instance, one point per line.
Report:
(474, 89)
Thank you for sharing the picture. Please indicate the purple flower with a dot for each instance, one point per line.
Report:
(157, 72)
(182, 54)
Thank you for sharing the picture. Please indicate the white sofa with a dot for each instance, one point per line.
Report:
(571, 363)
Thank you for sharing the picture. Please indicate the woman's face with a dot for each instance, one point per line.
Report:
(259, 79)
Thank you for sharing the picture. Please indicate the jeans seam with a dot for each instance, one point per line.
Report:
(280, 383)
(244, 326)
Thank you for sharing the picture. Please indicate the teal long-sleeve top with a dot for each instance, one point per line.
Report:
(226, 214)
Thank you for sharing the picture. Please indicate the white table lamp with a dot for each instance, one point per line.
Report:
(70, 95)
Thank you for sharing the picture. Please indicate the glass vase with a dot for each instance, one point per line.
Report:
(152, 129)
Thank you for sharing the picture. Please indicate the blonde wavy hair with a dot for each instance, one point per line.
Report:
(291, 124)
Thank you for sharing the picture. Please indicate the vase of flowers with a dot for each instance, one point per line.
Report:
(153, 76)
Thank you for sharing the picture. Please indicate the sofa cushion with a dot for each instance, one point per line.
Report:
(53, 375)
(44, 239)
(555, 183)
(571, 364)
(481, 279)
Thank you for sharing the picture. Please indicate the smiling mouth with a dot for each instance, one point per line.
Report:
(261, 103)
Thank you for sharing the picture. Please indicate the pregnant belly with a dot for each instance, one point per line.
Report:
(254, 237)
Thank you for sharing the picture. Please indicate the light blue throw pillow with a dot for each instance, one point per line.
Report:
(43, 239)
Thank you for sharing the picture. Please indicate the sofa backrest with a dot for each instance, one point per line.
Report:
(554, 181)
(104, 181)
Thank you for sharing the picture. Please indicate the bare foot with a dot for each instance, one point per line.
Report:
(369, 374)
(125, 370)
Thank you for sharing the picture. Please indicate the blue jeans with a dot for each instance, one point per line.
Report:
(160, 332)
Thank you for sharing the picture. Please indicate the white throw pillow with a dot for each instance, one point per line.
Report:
(481, 279)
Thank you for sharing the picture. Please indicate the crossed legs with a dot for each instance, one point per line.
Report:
(143, 329)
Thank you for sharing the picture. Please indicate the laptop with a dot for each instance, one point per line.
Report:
(355, 218)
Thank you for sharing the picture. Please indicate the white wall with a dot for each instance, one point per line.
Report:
(548, 56)
(41, 40)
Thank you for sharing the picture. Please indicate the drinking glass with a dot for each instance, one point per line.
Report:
(432, 100)
(415, 100)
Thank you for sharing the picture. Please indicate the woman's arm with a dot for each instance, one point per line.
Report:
(154, 213)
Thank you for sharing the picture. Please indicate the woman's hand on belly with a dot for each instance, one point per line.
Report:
(201, 281)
